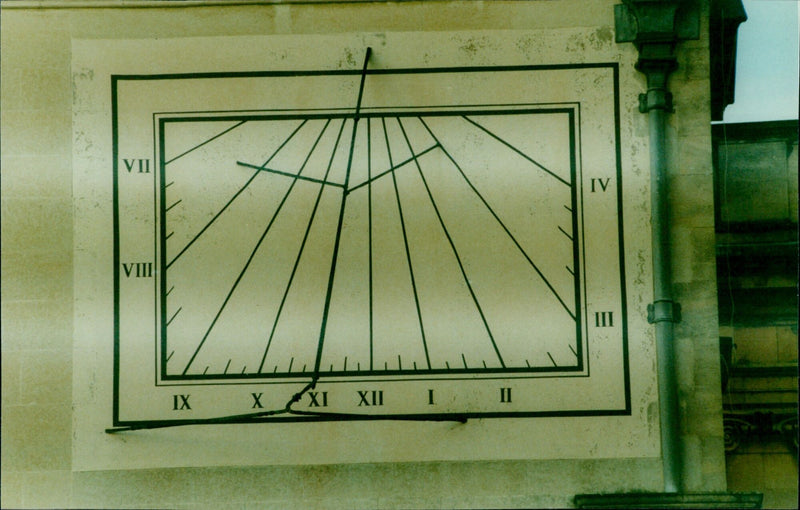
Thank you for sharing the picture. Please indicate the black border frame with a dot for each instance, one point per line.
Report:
(117, 78)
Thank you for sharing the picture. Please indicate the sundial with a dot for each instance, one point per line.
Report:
(426, 243)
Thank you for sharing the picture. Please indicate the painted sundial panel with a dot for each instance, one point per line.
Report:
(288, 251)
(267, 241)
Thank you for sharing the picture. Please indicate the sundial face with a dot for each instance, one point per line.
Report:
(446, 243)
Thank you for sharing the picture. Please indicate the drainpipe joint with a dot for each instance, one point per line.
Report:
(656, 99)
(664, 310)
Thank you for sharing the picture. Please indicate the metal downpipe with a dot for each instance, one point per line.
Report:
(663, 311)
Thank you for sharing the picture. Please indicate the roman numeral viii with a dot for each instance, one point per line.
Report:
(137, 269)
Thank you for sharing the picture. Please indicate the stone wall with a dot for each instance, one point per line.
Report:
(38, 271)
(757, 274)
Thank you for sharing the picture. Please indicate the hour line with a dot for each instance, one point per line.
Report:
(405, 242)
(453, 247)
(515, 149)
(252, 255)
(246, 184)
(500, 222)
(335, 256)
(369, 216)
(302, 247)
(207, 141)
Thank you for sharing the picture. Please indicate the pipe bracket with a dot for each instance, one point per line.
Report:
(656, 99)
(664, 310)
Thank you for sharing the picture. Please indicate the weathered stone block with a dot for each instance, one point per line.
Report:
(755, 345)
(47, 489)
(37, 437)
(787, 344)
(13, 485)
(780, 471)
(692, 201)
(745, 472)
(37, 132)
(46, 376)
(11, 378)
(36, 177)
(36, 276)
(36, 324)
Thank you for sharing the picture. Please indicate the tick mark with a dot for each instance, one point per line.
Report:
(174, 315)
(173, 205)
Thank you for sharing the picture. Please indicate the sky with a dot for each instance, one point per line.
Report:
(767, 63)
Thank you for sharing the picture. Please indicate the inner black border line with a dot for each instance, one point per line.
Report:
(376, 109)
(613, 66)
(581, 329)
(531, 108)
(412, 374)
(375, 376)
(578, 154)
(386, 376)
